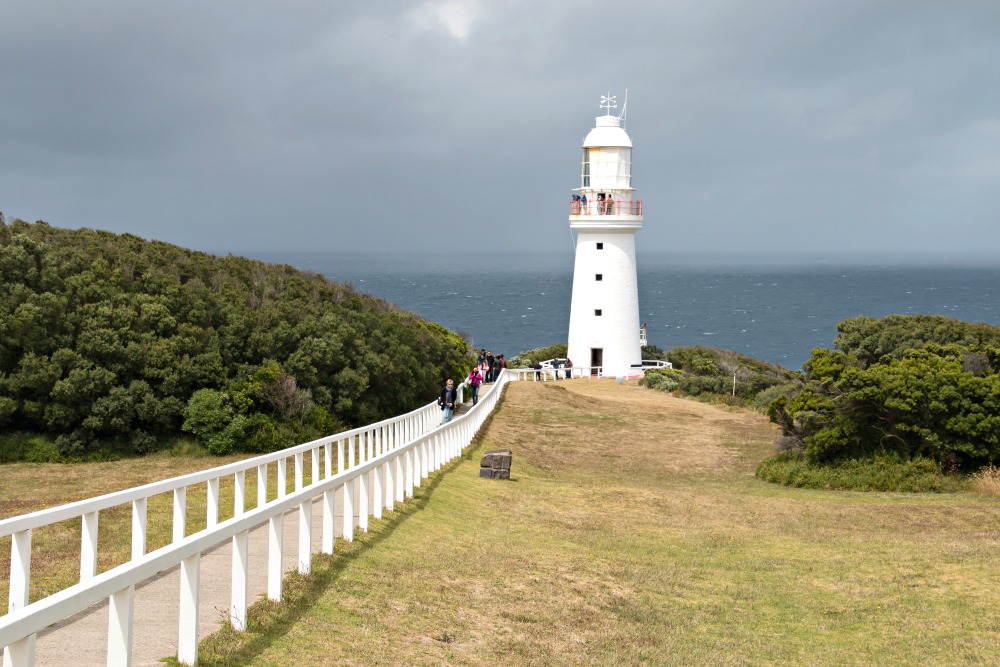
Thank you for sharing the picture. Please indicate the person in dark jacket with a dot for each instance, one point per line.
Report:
(447, 401)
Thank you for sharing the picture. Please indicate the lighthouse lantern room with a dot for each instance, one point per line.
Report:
(604, 328)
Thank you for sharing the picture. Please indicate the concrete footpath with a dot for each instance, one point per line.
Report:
(82, 639)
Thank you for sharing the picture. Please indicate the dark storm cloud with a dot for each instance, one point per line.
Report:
(454, 124)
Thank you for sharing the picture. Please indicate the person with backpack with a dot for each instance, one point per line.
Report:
(447, 399)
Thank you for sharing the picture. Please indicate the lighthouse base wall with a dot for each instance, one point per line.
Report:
(604, 310)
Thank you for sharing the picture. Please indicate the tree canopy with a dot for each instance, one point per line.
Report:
(913, 386)
(108, 338)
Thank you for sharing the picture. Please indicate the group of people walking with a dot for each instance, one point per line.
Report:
(486, 370)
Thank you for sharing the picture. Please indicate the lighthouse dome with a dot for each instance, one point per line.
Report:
(607, 133)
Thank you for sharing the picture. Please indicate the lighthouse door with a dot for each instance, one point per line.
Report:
(596, 359)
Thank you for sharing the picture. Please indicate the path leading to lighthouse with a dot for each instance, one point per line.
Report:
(634, 532)
(80, 640)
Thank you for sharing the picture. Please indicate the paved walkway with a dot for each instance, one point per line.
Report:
(81, 640)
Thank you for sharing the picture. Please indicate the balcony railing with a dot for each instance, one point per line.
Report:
(605, 207)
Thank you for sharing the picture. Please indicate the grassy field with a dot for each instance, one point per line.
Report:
(633, 532)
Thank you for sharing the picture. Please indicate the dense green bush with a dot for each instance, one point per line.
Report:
(880, 473)
(913, 386)
(700, 384)
(653, 353)
(105, 338)
(664, 379)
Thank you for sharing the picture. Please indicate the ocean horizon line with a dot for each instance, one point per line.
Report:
(562, 260)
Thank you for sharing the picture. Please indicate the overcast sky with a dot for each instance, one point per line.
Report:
(779, 126)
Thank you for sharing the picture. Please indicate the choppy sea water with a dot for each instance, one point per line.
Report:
(775, 314)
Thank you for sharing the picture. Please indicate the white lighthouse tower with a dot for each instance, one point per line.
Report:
(604, 312)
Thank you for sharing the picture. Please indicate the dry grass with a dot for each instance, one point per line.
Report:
(986, 482)
(634, 533)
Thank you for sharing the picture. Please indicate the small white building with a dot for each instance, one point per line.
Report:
(604, 313)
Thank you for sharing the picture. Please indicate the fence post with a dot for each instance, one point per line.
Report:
(22, 652)
(180, 509)
(305, 518)
(361, 489)
(88, 546)
(378, 499)
(328, 527)
(261, 485)
(400, 489)
(212, 505)
(347, 520)
(240, 568)
(187, 635)
(388, 485)
(275, 533)
(121, 607)
(408, 472)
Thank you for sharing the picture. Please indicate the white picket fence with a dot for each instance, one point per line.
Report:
(384, 461)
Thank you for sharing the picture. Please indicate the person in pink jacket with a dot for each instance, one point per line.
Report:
(475, 379)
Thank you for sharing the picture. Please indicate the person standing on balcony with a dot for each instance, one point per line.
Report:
(611, 205)
(447, 401)
(576, 205)
(475, 379)
(583, 203)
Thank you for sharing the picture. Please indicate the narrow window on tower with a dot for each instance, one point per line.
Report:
(600, 246)
(597, 312)
(599, 277)
(586, 167)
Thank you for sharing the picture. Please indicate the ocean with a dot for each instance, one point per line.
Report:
(510, 303)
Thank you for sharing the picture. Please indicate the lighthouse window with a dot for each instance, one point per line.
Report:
(599, 277)
(600, 246)
(597, 312)
(586, 167)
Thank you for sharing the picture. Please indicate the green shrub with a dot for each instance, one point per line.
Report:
(653, 353)
(527, 358)
(32, 447)
(881, 473)
(664, 379)
(919, 386)
(41, 450)
(698, 384)
(763, 399)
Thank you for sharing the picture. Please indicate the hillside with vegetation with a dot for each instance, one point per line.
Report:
(111, 344)
(907, 388)
(904, 403)
(699, 370)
